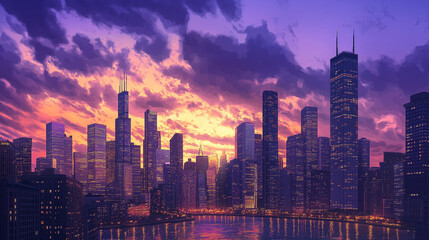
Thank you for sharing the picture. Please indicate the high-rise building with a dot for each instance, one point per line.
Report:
(344, 130)
(211, 187)
(55, 144)
(96, 159)
(189, 185)
(320, 190)
(387, 169)
(137, 176)
(286, 181)
(237, 183)
(214, 162)
(61, 204)
(398, 190)
(223, 159)
(123, 168)
(42, 163)
(158, 137)
(176, 161)
(310, 147)
(363, 153)
(162, 156)
(295, 166)
(67, 166)
(7, 161)
(416, 170)
(110, 168)
(258, 162)
(373, 192)
(149, 150)
(223, 187)
(19, 211)
(245, 152)
(324, 153)
(22, 148)
(81, 170)
(169, 190)
(202, 165)
(270, 145)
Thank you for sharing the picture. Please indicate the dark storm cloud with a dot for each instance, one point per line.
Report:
(153, 101)
(220, 64)
(231, 9)
(87, 57)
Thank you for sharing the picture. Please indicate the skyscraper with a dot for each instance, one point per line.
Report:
(295, 166)
(310, 146)
(55, 144)
(96, 159)
(324, 153)
(258, 162)
(176, 161)
(81, 170)
(149, 150)
(110, 167)
(270, 162)
(245, 152)
(123, 169)
(67, 166)
(7, 161)
(344, 130)
(189, 185)
(162, 156)
(387, 169)
(42, 163)
(137, 176)
(22, 148)
(223, 159)
(416, 170)
(202, 165)
(363, 153)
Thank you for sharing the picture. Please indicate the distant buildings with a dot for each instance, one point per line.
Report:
(22, 147)
(42, 163)
(137, 173)
(270, 143)
(96, 159)
(162, 156)
(202, 165)
(324, 153)
(344, 130)
(81, 170)
(55, 145)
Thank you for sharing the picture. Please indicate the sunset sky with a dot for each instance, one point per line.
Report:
(203, 65)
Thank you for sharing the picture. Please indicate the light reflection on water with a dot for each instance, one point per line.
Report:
(236, 227)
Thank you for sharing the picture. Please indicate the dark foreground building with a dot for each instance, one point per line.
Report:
(19, 211)
(61, 205)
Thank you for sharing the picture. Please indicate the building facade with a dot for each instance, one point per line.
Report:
(96, 154)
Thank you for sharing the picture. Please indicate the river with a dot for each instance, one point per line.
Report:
(240, 227)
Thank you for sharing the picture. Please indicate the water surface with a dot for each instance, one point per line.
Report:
(238, 227)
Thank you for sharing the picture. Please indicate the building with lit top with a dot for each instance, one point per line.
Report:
(344, 130)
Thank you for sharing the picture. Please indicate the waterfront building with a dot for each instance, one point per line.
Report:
(295, 166)
(416, 170)
(176, 162)
(363, 152)
(270, 145)
(344, 130)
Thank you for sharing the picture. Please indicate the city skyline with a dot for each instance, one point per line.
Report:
(76, 61)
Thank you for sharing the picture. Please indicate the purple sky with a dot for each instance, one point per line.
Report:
(202, 65)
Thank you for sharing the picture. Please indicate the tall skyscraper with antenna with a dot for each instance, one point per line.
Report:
(344, 129)
(123, 170)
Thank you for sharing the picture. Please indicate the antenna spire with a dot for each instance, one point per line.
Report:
(337, 44)
(353, 41)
